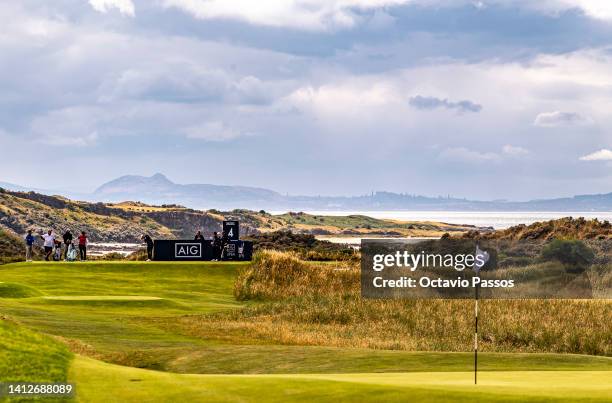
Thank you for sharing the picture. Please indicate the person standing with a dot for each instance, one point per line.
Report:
(29, 241)
(224, 242)
(67, 242)
(149, 241)
(198, 236)
(49, 243)
(216, 244)
(83, 245)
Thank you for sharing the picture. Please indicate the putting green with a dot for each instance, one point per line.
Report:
(98, 381)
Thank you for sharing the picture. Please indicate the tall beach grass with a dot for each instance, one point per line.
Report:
(304, 303)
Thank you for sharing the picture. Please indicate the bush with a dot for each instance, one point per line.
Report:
(306, 246)
(569, 252)
(139, 255)
(109, 256)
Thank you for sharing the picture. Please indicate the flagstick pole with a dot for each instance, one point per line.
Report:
(476, 336)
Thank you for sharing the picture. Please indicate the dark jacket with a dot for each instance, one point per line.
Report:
(68, 237)
(148, 241)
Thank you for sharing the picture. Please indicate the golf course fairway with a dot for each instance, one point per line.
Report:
(117, 330)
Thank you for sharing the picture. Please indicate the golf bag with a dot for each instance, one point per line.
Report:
(57, 253)
(71, 254)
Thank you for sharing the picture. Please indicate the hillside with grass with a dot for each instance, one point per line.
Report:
(11, 247)
(562, 228)
(127, 221)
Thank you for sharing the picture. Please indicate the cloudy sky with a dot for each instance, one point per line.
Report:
(491, 99)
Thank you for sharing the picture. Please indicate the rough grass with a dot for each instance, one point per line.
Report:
(278, 275)
(319, 304)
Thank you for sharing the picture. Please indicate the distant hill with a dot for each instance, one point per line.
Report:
(158, 189)
(18, 188)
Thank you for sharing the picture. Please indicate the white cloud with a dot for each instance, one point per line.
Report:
(353, 97)
(212, 131)
(469, 156)
(601, 9)
(330, 14)
(309, 14)
(602, 155)
(465, 155)
(74, 141)
(514, 151)
(557, 118)
(125, 7)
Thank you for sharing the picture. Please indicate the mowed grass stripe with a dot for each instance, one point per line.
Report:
(120, 298)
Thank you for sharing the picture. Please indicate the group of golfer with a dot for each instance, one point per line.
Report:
(64, 248)
(53, 246)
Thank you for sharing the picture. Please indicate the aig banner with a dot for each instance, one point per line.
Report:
(182, 250)
(190, 250)
(454, 268)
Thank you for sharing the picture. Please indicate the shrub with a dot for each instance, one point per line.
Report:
(109, 256)
(569, 252)
(139, 255)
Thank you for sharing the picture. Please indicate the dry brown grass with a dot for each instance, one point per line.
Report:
(276, 275)
(320, 304)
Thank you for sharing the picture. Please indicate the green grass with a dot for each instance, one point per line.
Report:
(29, 356)
(12, 290)
(105, 308)
(121, 384)
(129, 313)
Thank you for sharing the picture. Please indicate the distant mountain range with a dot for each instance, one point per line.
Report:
(158, 189)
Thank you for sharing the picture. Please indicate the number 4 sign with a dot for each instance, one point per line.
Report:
(231, 229)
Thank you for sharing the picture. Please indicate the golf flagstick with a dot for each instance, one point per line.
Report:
(476, 335)
(478, 264)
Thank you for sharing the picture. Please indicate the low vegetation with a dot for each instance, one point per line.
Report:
(306, 246)
(320, 304)
(562, 228)
(12, 248)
